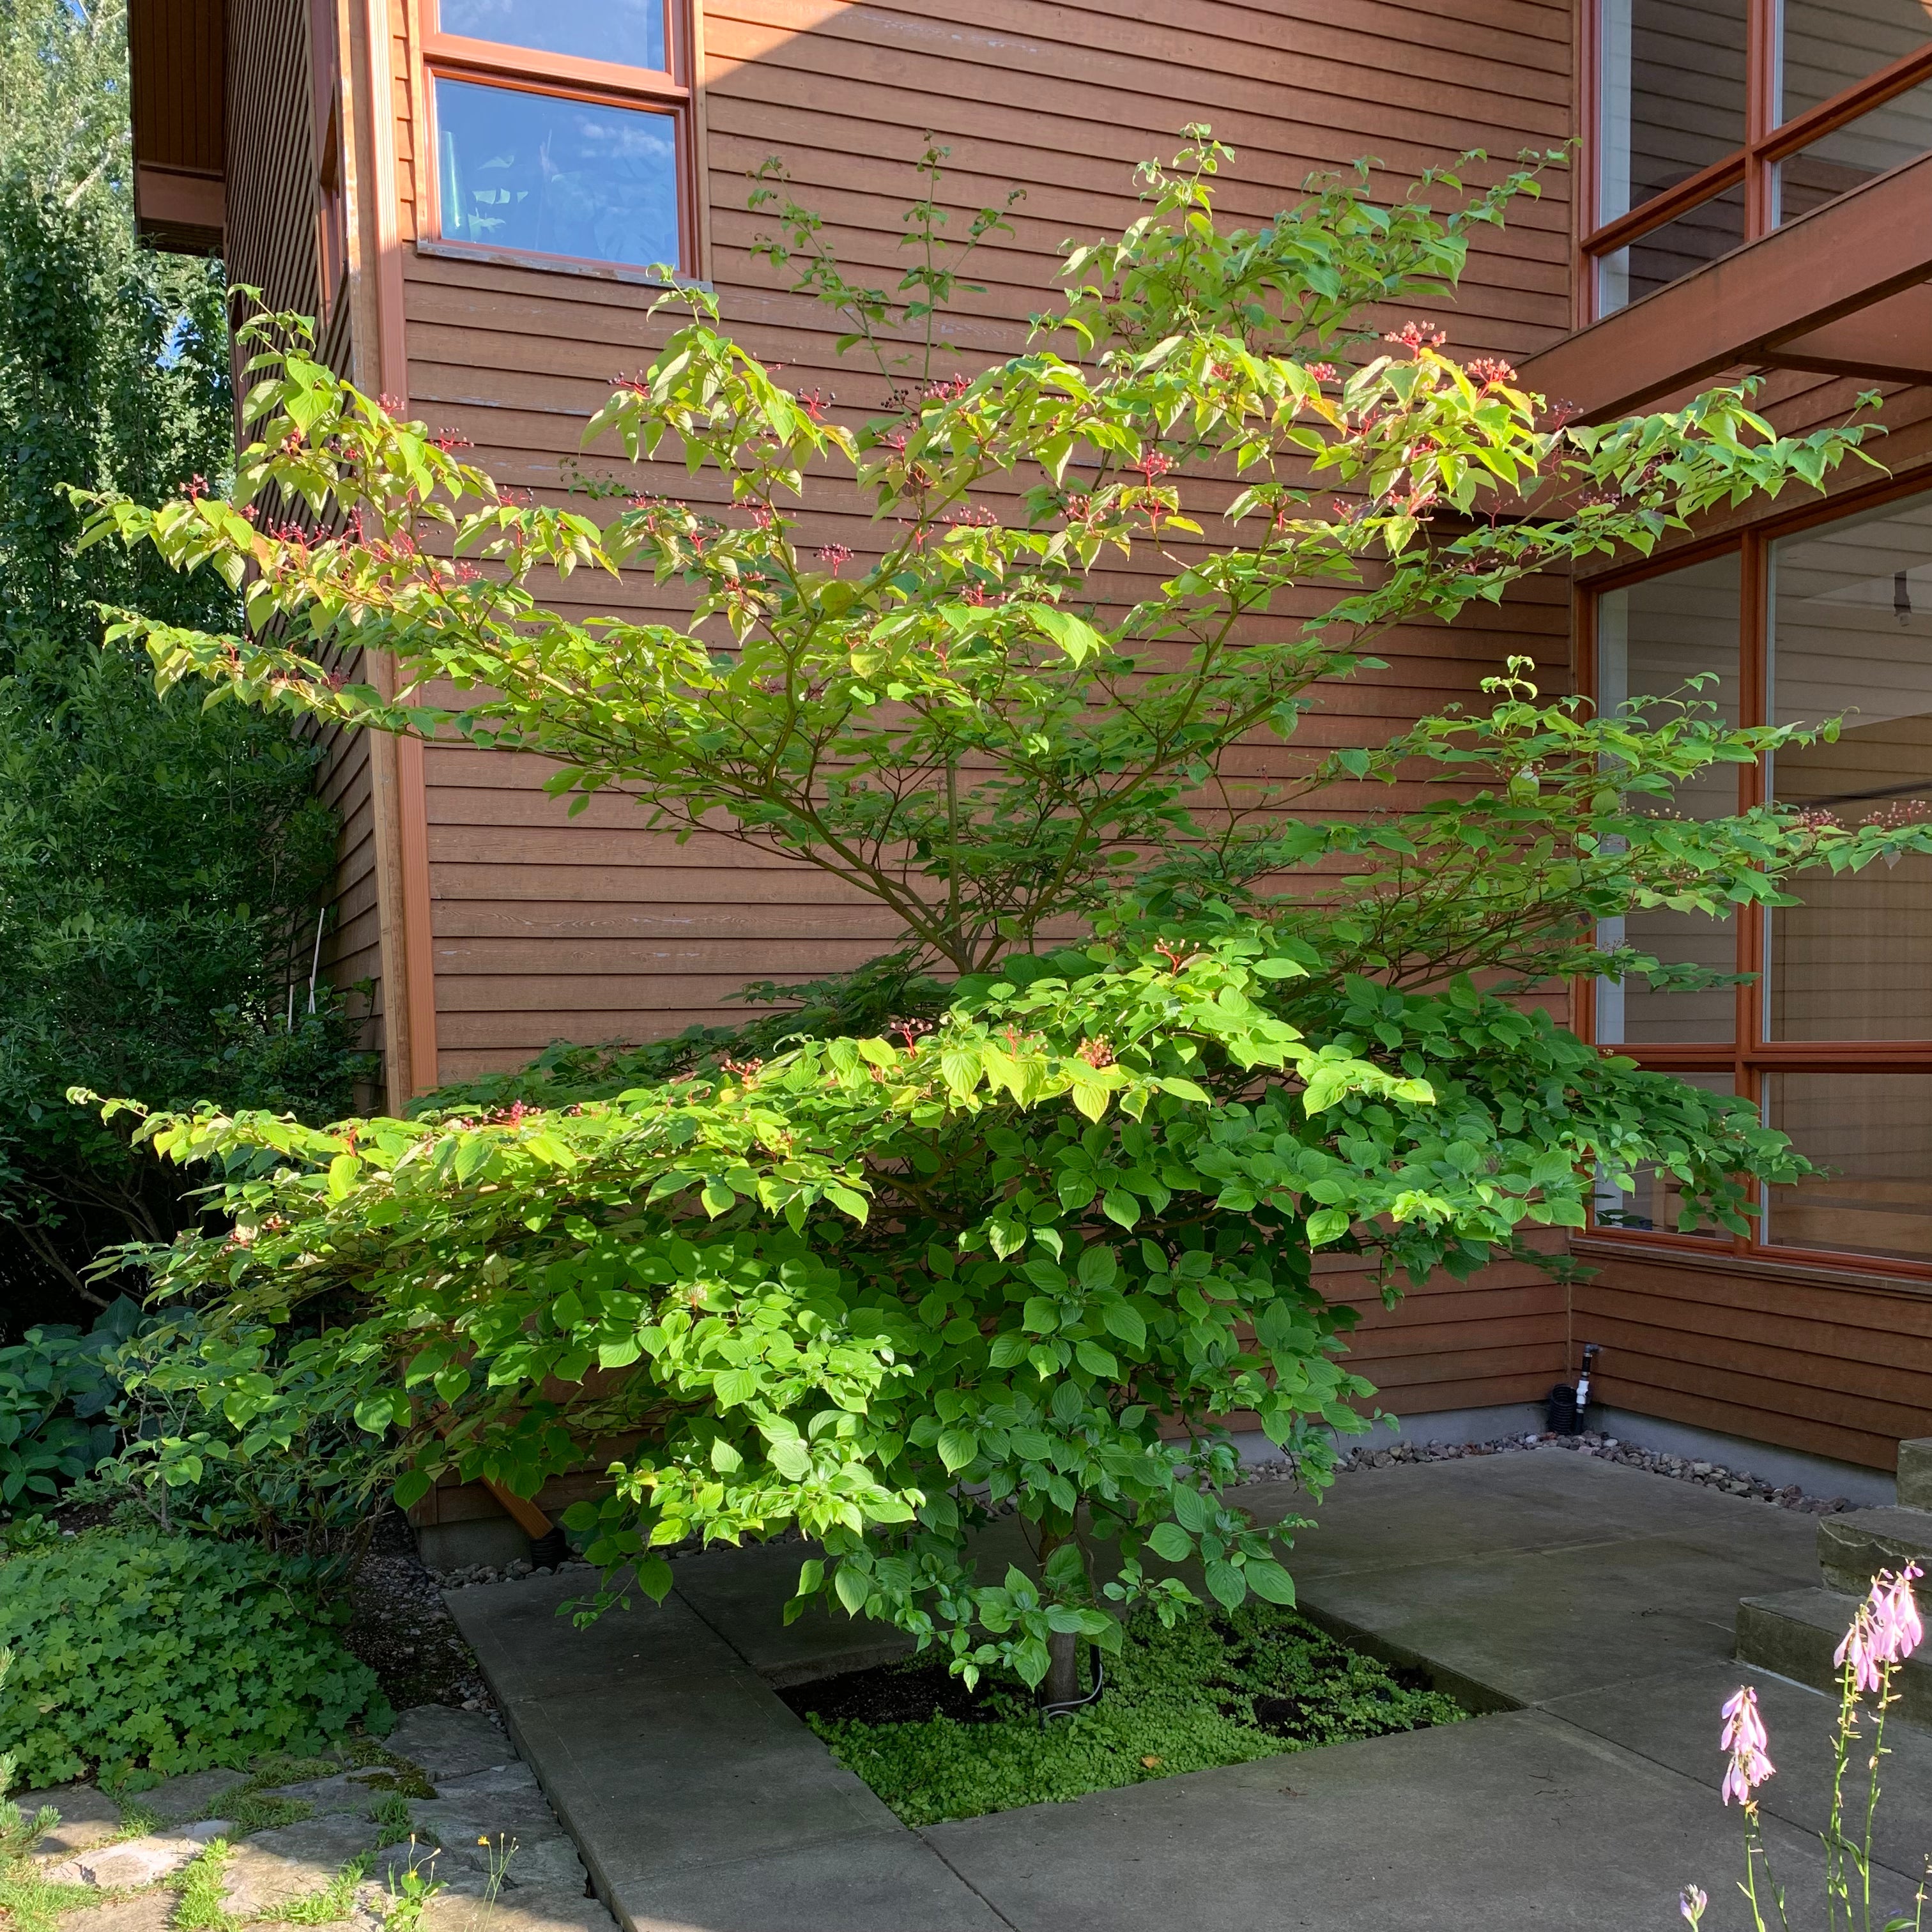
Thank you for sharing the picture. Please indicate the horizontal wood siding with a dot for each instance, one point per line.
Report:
(1835, 1365)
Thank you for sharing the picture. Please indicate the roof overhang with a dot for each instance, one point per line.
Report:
(1841, 291)
(177, 58)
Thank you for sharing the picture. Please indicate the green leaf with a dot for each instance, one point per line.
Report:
(1269, 1580)
(957, 1448)
(1097, 1360)
(1191, 1508)
(1225, 1585)
(1169, 1541)
(853, 1588)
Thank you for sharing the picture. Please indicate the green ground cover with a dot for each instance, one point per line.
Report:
(1253, 1683)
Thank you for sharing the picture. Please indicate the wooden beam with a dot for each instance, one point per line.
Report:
(1848, 257)
(1891, 339)
(183, 212)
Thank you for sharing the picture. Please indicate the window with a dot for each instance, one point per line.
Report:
(561, 131)
(1828, 1030)
(331, 203)
(1716, 120)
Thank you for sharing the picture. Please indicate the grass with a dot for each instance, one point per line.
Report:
(1225, 1689)
(203, 1903)
(391, 1817)
(29, 1903)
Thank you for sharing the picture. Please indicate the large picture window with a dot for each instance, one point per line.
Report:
(561, 131)
(1828, 1030)
(1716, 120)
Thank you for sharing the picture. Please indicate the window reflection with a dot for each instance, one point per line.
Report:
(1874, 1131)
(1651, 639)
(1886, 138)
(1655, 1203)
(1673, 95)
(1655, 260)
(544, 174)
(1851, 632)
(1830, 45)
(628, 33)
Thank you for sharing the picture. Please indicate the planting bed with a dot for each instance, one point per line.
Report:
(1225, 1689)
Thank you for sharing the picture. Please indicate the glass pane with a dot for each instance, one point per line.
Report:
(1651, 639)
(1851, 633)
(1655, 260)
(1673, 95)
(1830, 45)
(541, 174)
(1874, 1131)
(628, 33)
(1886, 138)
(1657, 1202)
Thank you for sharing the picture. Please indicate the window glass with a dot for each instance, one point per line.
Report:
(1886, 138)
(1673, 95)
(1873, 1133)
(1656, 1202)
(1827, 46)
(1651, 639)
(545, 175)
(1653, 261)
(628, 33)
(1851, 633)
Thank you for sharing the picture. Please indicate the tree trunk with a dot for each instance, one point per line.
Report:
(1063, 1668)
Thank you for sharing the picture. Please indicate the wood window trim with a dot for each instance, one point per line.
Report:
(1767, 142)
(676, 91)
(1747, 1058)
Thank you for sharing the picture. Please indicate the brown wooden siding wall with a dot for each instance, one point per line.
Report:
(272, 245)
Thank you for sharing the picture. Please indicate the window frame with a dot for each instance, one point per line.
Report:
(672, 91)
(1749, 1057)
(1767, 143)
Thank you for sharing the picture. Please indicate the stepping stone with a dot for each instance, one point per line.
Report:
(545, 1909)
(145, 1911)
(273, 1866)
(347, 1791)
(137, 1861)
(1795, 1632)
(87, 1816)
(1855, 1545)
(193, 1795)
(447, 1743)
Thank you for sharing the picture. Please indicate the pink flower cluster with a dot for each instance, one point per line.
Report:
(1885, 1631)
(1745, 1737)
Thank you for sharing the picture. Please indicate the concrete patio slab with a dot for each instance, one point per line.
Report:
(1515, 1823)
(1602, 1598)
(689, 1788)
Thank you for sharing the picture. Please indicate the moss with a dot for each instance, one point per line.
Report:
(1225, 1690)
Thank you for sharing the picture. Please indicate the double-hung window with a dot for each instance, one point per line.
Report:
(1714, 121)
(561, 131)
(1830, 1035)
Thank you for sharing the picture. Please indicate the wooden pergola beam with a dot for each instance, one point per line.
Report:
(1782, 300)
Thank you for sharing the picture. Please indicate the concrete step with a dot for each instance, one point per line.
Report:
(1855, 1547)
(1795, 1633)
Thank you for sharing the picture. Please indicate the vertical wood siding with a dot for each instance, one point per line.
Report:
(272, 245)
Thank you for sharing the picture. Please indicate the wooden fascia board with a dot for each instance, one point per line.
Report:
(1856, 251)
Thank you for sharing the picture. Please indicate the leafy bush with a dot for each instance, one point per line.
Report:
(140, 1655)
(55, 1388)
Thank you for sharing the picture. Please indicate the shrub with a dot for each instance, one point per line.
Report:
(139, 1655)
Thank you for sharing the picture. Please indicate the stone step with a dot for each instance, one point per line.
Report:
(1915, 1473)
(1853, 1547)
(1795, 1632)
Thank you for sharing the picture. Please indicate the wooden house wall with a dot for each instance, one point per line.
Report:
(272, 245)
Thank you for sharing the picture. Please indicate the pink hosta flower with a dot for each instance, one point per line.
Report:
(1745, 1737)
(1692, 1902)
(1886, 1630)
